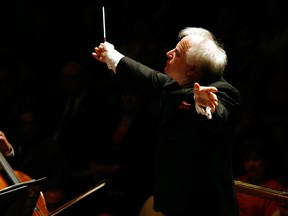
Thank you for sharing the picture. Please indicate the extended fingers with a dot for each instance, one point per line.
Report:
(213, 96)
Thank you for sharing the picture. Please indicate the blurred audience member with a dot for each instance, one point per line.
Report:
(33, 154)
(129, 139)
(77, 121)
(257, 171)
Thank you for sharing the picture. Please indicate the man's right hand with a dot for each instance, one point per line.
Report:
(106, 53)
(100, 53)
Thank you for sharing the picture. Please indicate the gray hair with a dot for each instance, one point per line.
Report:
(205, 51)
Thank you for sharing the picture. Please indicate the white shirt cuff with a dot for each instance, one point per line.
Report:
(202, 111)
(113, 58)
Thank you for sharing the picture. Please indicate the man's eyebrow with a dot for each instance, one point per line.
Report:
(177, 51)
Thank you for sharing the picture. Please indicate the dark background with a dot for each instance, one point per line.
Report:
(37, 37)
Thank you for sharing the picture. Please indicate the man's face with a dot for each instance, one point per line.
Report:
(176, 66)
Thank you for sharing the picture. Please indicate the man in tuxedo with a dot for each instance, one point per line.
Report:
(193, 165)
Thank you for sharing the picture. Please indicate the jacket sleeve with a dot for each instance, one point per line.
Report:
(134, 70)
(228, 99)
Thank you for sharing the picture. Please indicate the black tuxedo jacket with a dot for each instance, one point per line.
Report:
(193, 165)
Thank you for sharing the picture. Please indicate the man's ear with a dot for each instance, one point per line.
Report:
(192, 71)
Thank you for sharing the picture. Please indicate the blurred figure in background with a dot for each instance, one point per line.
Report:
(131, 139)
(74, 126)
(257, 171)
(33, 155)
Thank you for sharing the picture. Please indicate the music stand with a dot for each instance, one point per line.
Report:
(20, 199)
